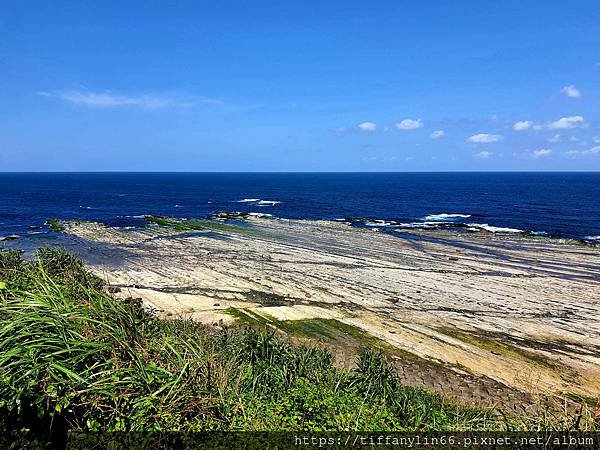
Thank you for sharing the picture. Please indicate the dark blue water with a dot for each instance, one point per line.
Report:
(560, 204)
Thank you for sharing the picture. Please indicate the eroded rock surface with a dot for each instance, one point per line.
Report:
(522, 312)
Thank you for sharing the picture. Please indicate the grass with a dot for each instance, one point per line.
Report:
(495, 344)
(56, 225)
(74, 358)
(196, 224)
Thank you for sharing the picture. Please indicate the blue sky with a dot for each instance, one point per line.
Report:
(300, 86)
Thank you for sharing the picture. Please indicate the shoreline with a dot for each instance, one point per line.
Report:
(514, 310)
(431, 223)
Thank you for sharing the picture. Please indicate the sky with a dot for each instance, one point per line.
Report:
(264, 85)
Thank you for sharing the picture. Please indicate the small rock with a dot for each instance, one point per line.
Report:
(231, 215)
(216, 304)
(113, 289)
(10, 237)
(453, 258)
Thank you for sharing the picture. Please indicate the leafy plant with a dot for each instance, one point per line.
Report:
(72, 357)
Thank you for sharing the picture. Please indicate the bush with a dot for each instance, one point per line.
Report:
(72, 357)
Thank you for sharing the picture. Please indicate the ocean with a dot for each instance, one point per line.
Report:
(556, 204)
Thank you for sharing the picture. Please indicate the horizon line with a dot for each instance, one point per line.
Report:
(283, 171)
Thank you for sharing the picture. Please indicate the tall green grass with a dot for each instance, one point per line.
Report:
(72, 357)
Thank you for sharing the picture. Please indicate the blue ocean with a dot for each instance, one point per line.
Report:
(556, 204)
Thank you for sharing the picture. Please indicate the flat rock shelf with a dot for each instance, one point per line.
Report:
(501, 318)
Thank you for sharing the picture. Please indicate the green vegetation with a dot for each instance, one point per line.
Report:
(501, 346)
(72, 357)
(56, 225)
(331, 331)
(196, 224)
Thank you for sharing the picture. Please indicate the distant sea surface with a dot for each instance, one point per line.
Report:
(557, 204)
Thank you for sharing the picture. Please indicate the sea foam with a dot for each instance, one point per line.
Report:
(445, 216)
(486, 227)
(259, 201)
(268, 202)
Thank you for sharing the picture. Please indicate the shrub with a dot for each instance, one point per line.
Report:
(72, 357)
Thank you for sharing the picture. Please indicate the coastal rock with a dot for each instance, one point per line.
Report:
(231, 215)
(510, 294)
(10, 237)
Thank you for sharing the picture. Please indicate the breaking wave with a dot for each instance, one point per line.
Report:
(258, 201)
(445, 216)
(486, 227)
(268, 202)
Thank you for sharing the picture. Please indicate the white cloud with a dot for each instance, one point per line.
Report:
(438, 134)
(592, 151)
(541, 153)
(523, 125)
(596, 139)
(554, 139)
(571, 91)
(409, 124)
(367, 126)
(567, 122)
(484, 138)
(109, 100)
(483, 155)
(536, 127)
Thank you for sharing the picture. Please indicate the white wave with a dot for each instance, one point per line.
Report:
(592, 238)
(259, 215)
(248, 200)
(447, 224)
(268, 202)
(486, 227)
(422, 225)
(86, 207)
(445, 217)
(379, 223)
